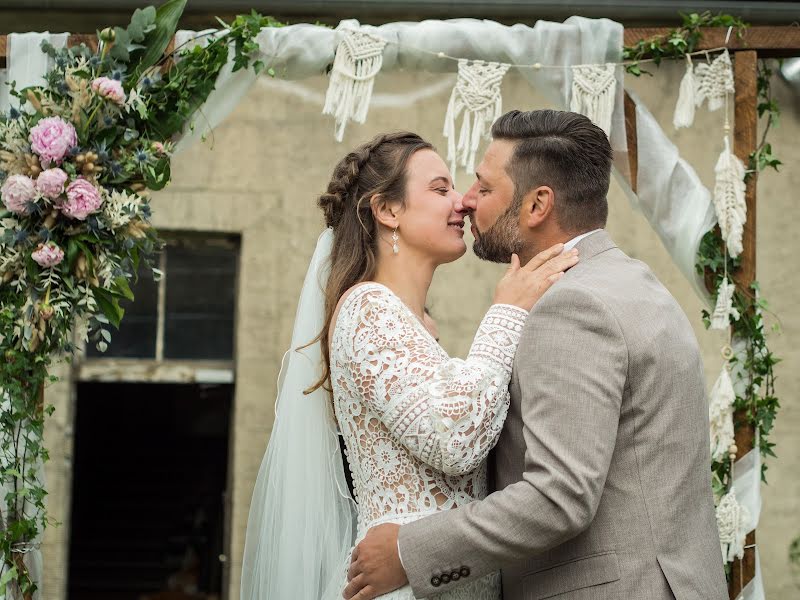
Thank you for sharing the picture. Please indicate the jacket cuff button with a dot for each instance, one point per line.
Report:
(464, 571)
(445, 578)
(455, 576)
(435, 581)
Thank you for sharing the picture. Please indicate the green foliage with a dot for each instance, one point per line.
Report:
(677, 42)
(129, 141)
(762, 158)
(176, 97)
(159, 33)
(21, 444)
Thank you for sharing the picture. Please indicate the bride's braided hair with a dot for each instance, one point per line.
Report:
(377, 167)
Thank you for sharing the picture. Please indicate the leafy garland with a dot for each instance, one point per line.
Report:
(758, 405)
(118, 108)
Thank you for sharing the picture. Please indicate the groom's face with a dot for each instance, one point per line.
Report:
(494, 214)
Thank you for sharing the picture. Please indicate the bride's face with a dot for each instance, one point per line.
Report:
(432, 223)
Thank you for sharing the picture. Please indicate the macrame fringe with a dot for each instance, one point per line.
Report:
(732, 519)
(729, 202)
(720, 415)
(684, 109)
(359, 58)
(724, 311)
(593, 90)
(476, 95)
(714, 81)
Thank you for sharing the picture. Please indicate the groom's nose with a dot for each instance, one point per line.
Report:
(470, 200)
(458, 204)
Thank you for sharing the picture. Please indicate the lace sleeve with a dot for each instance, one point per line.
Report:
(447, 412)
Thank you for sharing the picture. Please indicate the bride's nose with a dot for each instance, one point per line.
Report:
(458, 202)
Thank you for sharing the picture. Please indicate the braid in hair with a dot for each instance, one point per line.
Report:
(375, 168)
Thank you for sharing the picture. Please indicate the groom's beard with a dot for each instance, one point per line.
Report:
(502, 239)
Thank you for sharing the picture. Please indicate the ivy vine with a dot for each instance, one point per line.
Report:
(756, 404)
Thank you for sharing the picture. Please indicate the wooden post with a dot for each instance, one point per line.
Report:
(632, 139)
(745, 140)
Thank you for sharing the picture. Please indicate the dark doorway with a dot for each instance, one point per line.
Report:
(148, 508)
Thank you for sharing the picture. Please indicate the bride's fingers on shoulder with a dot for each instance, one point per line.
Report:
(565, 260)
(541, 258)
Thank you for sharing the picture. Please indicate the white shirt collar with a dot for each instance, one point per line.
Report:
(574, 241)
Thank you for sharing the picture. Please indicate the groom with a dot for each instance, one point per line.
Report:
(602, 469)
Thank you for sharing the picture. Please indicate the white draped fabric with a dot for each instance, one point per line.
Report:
(670, 196)
(26, 64)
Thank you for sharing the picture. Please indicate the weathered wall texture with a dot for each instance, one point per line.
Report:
(259, 175)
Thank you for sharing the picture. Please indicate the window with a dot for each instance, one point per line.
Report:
(189, 313)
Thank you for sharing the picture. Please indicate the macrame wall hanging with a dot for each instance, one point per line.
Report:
(720, 415)
(710, 82)
(732, 519)
(477, 97)
(729, 200)
(359, 58)
(684, 109)
(724, 311)
(593, 90)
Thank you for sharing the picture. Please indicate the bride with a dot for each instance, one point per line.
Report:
(417, 425)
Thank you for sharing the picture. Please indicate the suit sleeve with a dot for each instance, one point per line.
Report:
(572, 366)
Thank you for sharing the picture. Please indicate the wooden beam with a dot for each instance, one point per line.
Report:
(770, 42)
(745, 141)
(632, 140)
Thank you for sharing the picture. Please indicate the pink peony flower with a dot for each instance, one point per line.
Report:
(82, 200)
(110, 89)
(158, 148)
(51, 138)
(16, 192)
(48, 255)
(50, 183)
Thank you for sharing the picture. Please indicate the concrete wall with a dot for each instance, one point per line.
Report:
(259, 175)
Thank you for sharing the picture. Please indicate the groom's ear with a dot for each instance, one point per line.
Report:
(538, 205)
(384, 212)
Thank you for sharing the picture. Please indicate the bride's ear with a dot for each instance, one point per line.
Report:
(385, 213)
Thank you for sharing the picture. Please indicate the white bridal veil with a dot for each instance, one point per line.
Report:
(301, 522)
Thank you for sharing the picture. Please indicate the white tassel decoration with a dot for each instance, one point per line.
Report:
(477, 95)
(593, 90)
(729, 202)
(684, 109)
(724, 311)
(720, 415)
(732, 518)
(714, 81)
(359, 58)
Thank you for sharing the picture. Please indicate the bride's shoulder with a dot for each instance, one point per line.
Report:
(357, 296)
(364, 290)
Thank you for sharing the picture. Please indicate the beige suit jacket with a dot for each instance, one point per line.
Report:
(603, 467)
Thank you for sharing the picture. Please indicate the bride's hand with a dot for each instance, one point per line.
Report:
(523, 286)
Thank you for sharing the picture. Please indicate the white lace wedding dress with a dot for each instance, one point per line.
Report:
(417, 424)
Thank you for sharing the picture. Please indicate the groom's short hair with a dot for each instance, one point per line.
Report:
(566, 152)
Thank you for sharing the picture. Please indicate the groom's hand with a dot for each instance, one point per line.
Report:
(375, 566)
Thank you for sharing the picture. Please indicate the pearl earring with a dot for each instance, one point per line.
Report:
(395, 238)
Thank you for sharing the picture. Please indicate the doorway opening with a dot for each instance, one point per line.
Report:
(149, 491)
